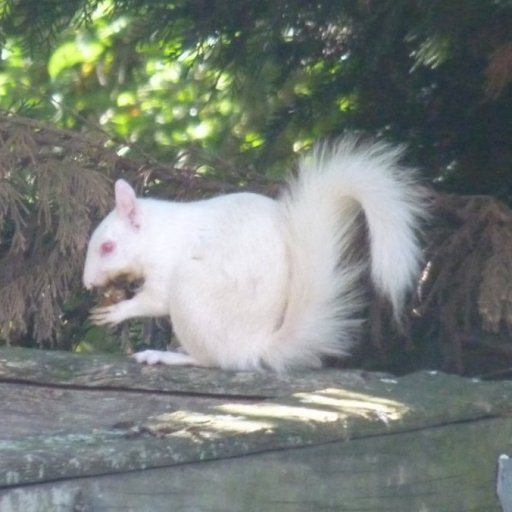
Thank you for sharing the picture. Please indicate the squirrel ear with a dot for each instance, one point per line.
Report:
(126, 203)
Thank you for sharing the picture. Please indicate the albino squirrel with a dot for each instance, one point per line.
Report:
(250, 282)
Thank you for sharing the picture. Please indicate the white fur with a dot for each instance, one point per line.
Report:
(252, 282)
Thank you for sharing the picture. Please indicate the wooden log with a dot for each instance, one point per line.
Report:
(82, 432)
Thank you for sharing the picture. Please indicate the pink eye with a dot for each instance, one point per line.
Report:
(107, 247)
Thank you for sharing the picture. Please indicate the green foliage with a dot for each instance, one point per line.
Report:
(238, 88)
(254, 81)
(159, 96)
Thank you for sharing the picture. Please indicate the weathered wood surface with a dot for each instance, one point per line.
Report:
(87, 433)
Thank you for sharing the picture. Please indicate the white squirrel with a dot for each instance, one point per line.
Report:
(250, 282)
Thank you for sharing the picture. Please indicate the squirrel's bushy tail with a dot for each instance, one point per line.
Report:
(322, 206)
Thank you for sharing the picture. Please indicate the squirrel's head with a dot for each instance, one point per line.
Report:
(115, 246)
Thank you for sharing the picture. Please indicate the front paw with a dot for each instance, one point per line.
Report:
(107, 315)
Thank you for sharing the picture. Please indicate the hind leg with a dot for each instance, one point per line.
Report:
(165, 357)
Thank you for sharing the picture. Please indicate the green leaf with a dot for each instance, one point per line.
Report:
(72, 53)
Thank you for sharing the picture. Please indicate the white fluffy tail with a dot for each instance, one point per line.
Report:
(322, 208)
